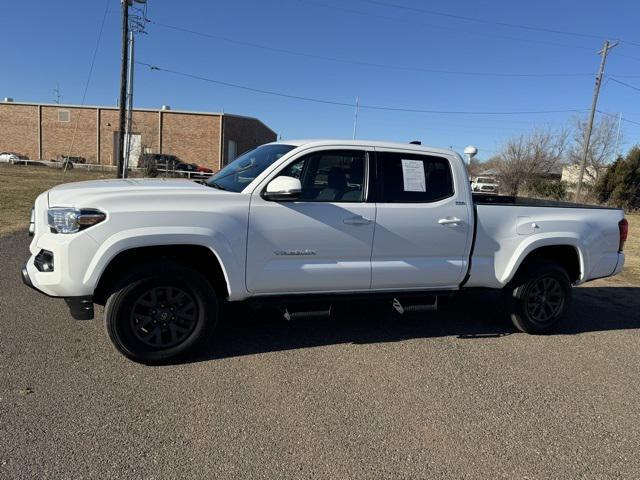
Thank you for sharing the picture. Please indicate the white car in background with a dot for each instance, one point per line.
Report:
(485, 185)
(8, 157)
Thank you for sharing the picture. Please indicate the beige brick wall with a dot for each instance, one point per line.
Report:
(193, 138)
(59, 139)
(248, 133)
(19, 129)
(144, 124)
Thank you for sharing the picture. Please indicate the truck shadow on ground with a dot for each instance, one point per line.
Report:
(473, 316)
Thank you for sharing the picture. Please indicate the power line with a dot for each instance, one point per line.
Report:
(86, 84)
(352, 105)
(359, 62)
(441, 27)
(616, 116)
(491, 22)
(613, 79)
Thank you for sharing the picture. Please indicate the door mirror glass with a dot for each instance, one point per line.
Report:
(283, 188)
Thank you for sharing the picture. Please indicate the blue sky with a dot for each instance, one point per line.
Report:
(52, 43)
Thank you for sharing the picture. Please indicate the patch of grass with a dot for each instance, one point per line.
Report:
(20, 185)
(631, 271)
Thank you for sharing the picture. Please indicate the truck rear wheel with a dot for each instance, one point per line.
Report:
(539, 298)
(160, 313)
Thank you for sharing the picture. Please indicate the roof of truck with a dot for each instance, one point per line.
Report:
(365, 143)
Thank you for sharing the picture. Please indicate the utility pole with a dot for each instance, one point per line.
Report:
(129, 126)
(596, 92)
(56, 92)
(355, 118)
(122, 104)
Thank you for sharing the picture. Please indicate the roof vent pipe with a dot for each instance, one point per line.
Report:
(166, 107)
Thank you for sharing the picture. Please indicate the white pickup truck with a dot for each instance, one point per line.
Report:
(321, 221)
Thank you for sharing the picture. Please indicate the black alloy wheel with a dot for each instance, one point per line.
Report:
(539, 297)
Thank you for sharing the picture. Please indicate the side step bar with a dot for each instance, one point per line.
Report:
(404, 305)
(318, 312)
(401, 304)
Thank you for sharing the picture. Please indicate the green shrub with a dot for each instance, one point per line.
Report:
(620, 185)
(555, 189)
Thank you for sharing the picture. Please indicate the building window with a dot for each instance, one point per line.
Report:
(63, 115)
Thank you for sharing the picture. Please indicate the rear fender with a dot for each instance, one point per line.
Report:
(553, 239)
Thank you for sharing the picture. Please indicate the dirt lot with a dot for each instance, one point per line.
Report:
(450, 394)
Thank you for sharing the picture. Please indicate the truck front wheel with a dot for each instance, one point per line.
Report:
(539, 298)
(160, 313)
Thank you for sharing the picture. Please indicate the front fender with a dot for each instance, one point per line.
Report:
(158, 236)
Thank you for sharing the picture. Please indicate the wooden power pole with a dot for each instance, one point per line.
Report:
(123, 87)
(596, 92)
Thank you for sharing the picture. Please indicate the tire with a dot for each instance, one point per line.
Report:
(539, 298)
(160, 313)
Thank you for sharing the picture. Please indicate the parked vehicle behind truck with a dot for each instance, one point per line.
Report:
(321, 221)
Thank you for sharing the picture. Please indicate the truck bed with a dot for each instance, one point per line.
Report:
(508, 228)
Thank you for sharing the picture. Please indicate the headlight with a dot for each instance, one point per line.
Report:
(32, 222)
(72, 220)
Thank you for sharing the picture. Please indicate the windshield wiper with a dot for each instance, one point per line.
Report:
(216, 185)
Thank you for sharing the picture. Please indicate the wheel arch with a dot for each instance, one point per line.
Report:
(567, 253)
(200, 257)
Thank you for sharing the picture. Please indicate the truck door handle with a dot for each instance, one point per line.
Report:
(356, 221)
(449, 221)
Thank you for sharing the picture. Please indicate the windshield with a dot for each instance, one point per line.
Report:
(244, 169)
(484, 180)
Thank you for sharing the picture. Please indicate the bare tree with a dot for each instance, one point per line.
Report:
(529, 156)
(602, 146)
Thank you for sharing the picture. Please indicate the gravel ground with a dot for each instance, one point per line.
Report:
(452, 394)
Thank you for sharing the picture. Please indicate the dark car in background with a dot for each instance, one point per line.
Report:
(171, 163)
(161, 161)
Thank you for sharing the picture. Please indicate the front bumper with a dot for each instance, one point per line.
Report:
(81, 308)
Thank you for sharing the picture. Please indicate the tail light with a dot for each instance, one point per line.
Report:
(623, 226)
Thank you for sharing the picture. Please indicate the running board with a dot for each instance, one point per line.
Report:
(404, 305)
(318, 311)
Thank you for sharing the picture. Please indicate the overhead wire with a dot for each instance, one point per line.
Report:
(350, 104)
(493, 22)
(89, 74)
(363, 63)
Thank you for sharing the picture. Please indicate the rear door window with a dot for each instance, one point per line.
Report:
(411, 178)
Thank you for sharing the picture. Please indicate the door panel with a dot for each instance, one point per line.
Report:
(321, 242)
(421, 231)
(306, 246)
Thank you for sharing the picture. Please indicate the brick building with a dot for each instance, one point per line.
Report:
(50, 131)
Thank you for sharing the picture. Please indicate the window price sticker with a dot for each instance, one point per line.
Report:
(413, 176)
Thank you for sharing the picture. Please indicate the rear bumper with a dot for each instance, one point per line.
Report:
(620, 264)
(80, 308)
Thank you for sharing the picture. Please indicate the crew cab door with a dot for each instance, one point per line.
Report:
(423, 226)
(320, 242)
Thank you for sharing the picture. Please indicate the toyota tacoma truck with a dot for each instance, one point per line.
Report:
(308, 222)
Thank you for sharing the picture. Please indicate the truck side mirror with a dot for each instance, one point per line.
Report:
(282, 189)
